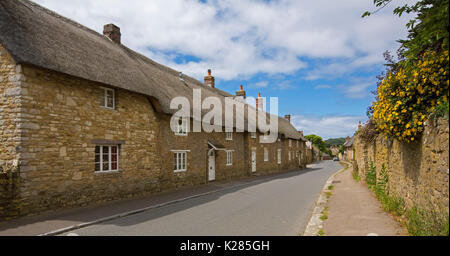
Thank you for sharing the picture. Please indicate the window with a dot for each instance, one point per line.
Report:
(266, 155)
(297, 143)
(253, 135)
(182, 127)
(229, 157)
(279, 156)
(290, 156)
(229, 135)
(290, 143)
(106, 158)
(108, 98)
(179, 161)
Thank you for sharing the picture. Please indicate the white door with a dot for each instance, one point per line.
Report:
(212, 167)
(253, 161)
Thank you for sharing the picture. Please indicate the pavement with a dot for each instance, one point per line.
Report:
(353, 210)
(278, 204)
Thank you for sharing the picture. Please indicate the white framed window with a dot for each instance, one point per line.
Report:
(182, 127)
(229, 157)
(266, 155)
(229, 135)
(179, 161)
(297, 143)
(253, 135)
(279, 156)
(106, 158)
(108, 98)
(289, 156)
(290, 143)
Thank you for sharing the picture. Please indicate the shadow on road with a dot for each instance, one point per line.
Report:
(90, 213)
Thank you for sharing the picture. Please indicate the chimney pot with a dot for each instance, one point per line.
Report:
(241, 93)
(112, 32)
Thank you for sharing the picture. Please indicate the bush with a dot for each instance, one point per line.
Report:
(405, 97)
(371, 175)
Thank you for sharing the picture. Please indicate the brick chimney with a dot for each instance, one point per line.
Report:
(112, 32)
(259, 102)
(301, 132)
(359, 125)
(241, 93)
(347, 139)
(288, 117)
(209, 79)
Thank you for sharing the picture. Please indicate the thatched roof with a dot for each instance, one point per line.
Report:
(37, 36)
(349, 143)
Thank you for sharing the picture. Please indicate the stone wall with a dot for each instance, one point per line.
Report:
(419, 171)
(10, 133)
(60, 118)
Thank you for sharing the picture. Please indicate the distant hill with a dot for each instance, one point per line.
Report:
(335, 142)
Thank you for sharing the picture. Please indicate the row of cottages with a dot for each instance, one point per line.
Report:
(84, 120)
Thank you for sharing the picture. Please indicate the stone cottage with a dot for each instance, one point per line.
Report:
(84, 120)
(349, 154)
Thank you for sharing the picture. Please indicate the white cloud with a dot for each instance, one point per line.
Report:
(241, 38)
(322, 86)
(327, 126)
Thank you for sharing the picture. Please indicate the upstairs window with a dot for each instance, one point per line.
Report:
(297, 143)
(108, 98)
(106, 158)
(229, 157)
(266, 155)
(182, 127)
(289, 156)
(253, 135)
(229, 135)
(290, 143)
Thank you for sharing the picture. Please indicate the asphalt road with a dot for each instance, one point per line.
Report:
(279, 205)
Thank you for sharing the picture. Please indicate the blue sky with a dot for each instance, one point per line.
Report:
(320, 58)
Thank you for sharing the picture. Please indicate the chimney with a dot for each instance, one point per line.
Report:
(112, 32)
(359, 125)
(209, 79)
(241, 93)
(347, 139)
(288, 117)
(259, 102)
(301, 132)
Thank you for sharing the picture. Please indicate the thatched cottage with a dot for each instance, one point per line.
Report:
(84, 119)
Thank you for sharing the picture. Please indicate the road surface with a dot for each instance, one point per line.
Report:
(277, 205)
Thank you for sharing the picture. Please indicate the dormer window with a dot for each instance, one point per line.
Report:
(108, 98)
(229, 135)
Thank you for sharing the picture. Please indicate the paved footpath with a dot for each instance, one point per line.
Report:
(353, 210)
(278, 204)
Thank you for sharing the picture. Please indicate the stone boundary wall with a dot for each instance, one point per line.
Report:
(418, 171)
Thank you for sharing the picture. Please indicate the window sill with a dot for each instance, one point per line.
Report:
(181, 135)
(229, 164)
(107, 108)
(178, 171)
(107, 172)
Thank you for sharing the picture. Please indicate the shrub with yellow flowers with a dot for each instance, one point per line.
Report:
(405, 98)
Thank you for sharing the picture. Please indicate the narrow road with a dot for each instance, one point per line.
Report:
(279, 205)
